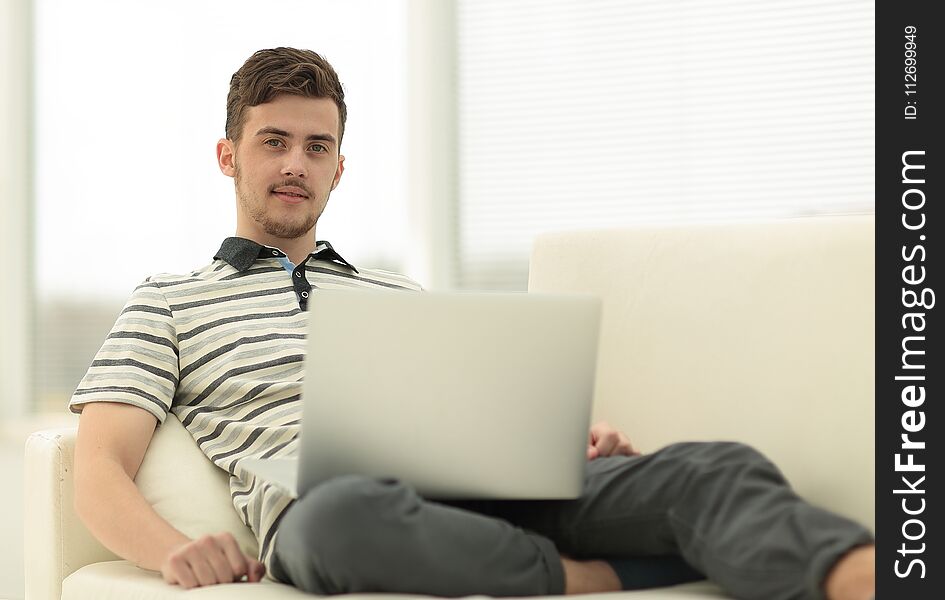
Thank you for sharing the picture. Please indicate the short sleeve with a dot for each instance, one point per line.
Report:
(138, 363)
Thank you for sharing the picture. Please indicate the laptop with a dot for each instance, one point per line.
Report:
(462, 395)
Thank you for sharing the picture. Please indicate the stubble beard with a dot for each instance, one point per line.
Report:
(255, 207)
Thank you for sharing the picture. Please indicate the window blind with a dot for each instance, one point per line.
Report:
(598, 113)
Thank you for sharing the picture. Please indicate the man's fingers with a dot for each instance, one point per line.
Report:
(603, 437)
(201, 568)
(180, 573)
(216, 558)
(256, 571)
(604, 440)
(210, 560)
(239, 562)
(625, 447)
(607, 443)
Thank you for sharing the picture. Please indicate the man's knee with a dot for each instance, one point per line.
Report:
(736, 459)
(330, 527)
(345, 506)
(736, 452)
(721, 460)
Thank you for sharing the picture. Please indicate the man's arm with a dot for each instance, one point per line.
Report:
(110, 446)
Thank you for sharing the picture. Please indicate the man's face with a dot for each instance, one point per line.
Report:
(285, 165)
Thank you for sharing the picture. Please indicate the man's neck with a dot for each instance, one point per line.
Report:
(298, 255)
(297, 249)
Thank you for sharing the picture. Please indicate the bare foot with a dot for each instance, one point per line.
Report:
(589, 576)
(854, 575)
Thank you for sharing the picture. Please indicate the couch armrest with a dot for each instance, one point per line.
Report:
(175, 477)
(56, 542)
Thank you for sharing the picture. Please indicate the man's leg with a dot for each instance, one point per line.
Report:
(724, 507)
(358, 534)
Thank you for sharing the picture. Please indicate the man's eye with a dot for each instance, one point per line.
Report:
(318, 148)
(273, 142)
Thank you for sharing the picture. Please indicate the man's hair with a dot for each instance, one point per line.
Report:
(268, 73)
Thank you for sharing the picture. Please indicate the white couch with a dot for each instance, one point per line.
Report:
(758, 332)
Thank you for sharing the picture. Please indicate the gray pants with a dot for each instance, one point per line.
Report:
(723, 507)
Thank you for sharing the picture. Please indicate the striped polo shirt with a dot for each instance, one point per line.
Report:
(223, 348)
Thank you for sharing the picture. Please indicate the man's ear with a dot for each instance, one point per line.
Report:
(339, 171)
(226, 153)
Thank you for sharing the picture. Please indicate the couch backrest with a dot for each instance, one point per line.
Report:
(756, 332)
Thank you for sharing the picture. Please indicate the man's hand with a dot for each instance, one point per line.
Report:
(209, 560)
(604, 440)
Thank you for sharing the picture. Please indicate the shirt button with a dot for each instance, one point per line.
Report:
(298, 273)
(275, 253)
(305, 294)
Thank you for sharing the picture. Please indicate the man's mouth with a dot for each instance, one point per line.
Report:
(290, 194)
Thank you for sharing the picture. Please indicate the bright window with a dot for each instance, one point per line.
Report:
(605, 113)
(130, 102)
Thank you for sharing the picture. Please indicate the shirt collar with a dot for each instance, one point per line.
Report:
(241, 253)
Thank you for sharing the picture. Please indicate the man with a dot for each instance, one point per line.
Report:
(222, 348)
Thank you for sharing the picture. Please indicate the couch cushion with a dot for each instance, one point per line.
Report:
(120, 580)
(188, 490)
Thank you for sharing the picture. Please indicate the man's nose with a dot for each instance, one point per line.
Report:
(294, 163)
